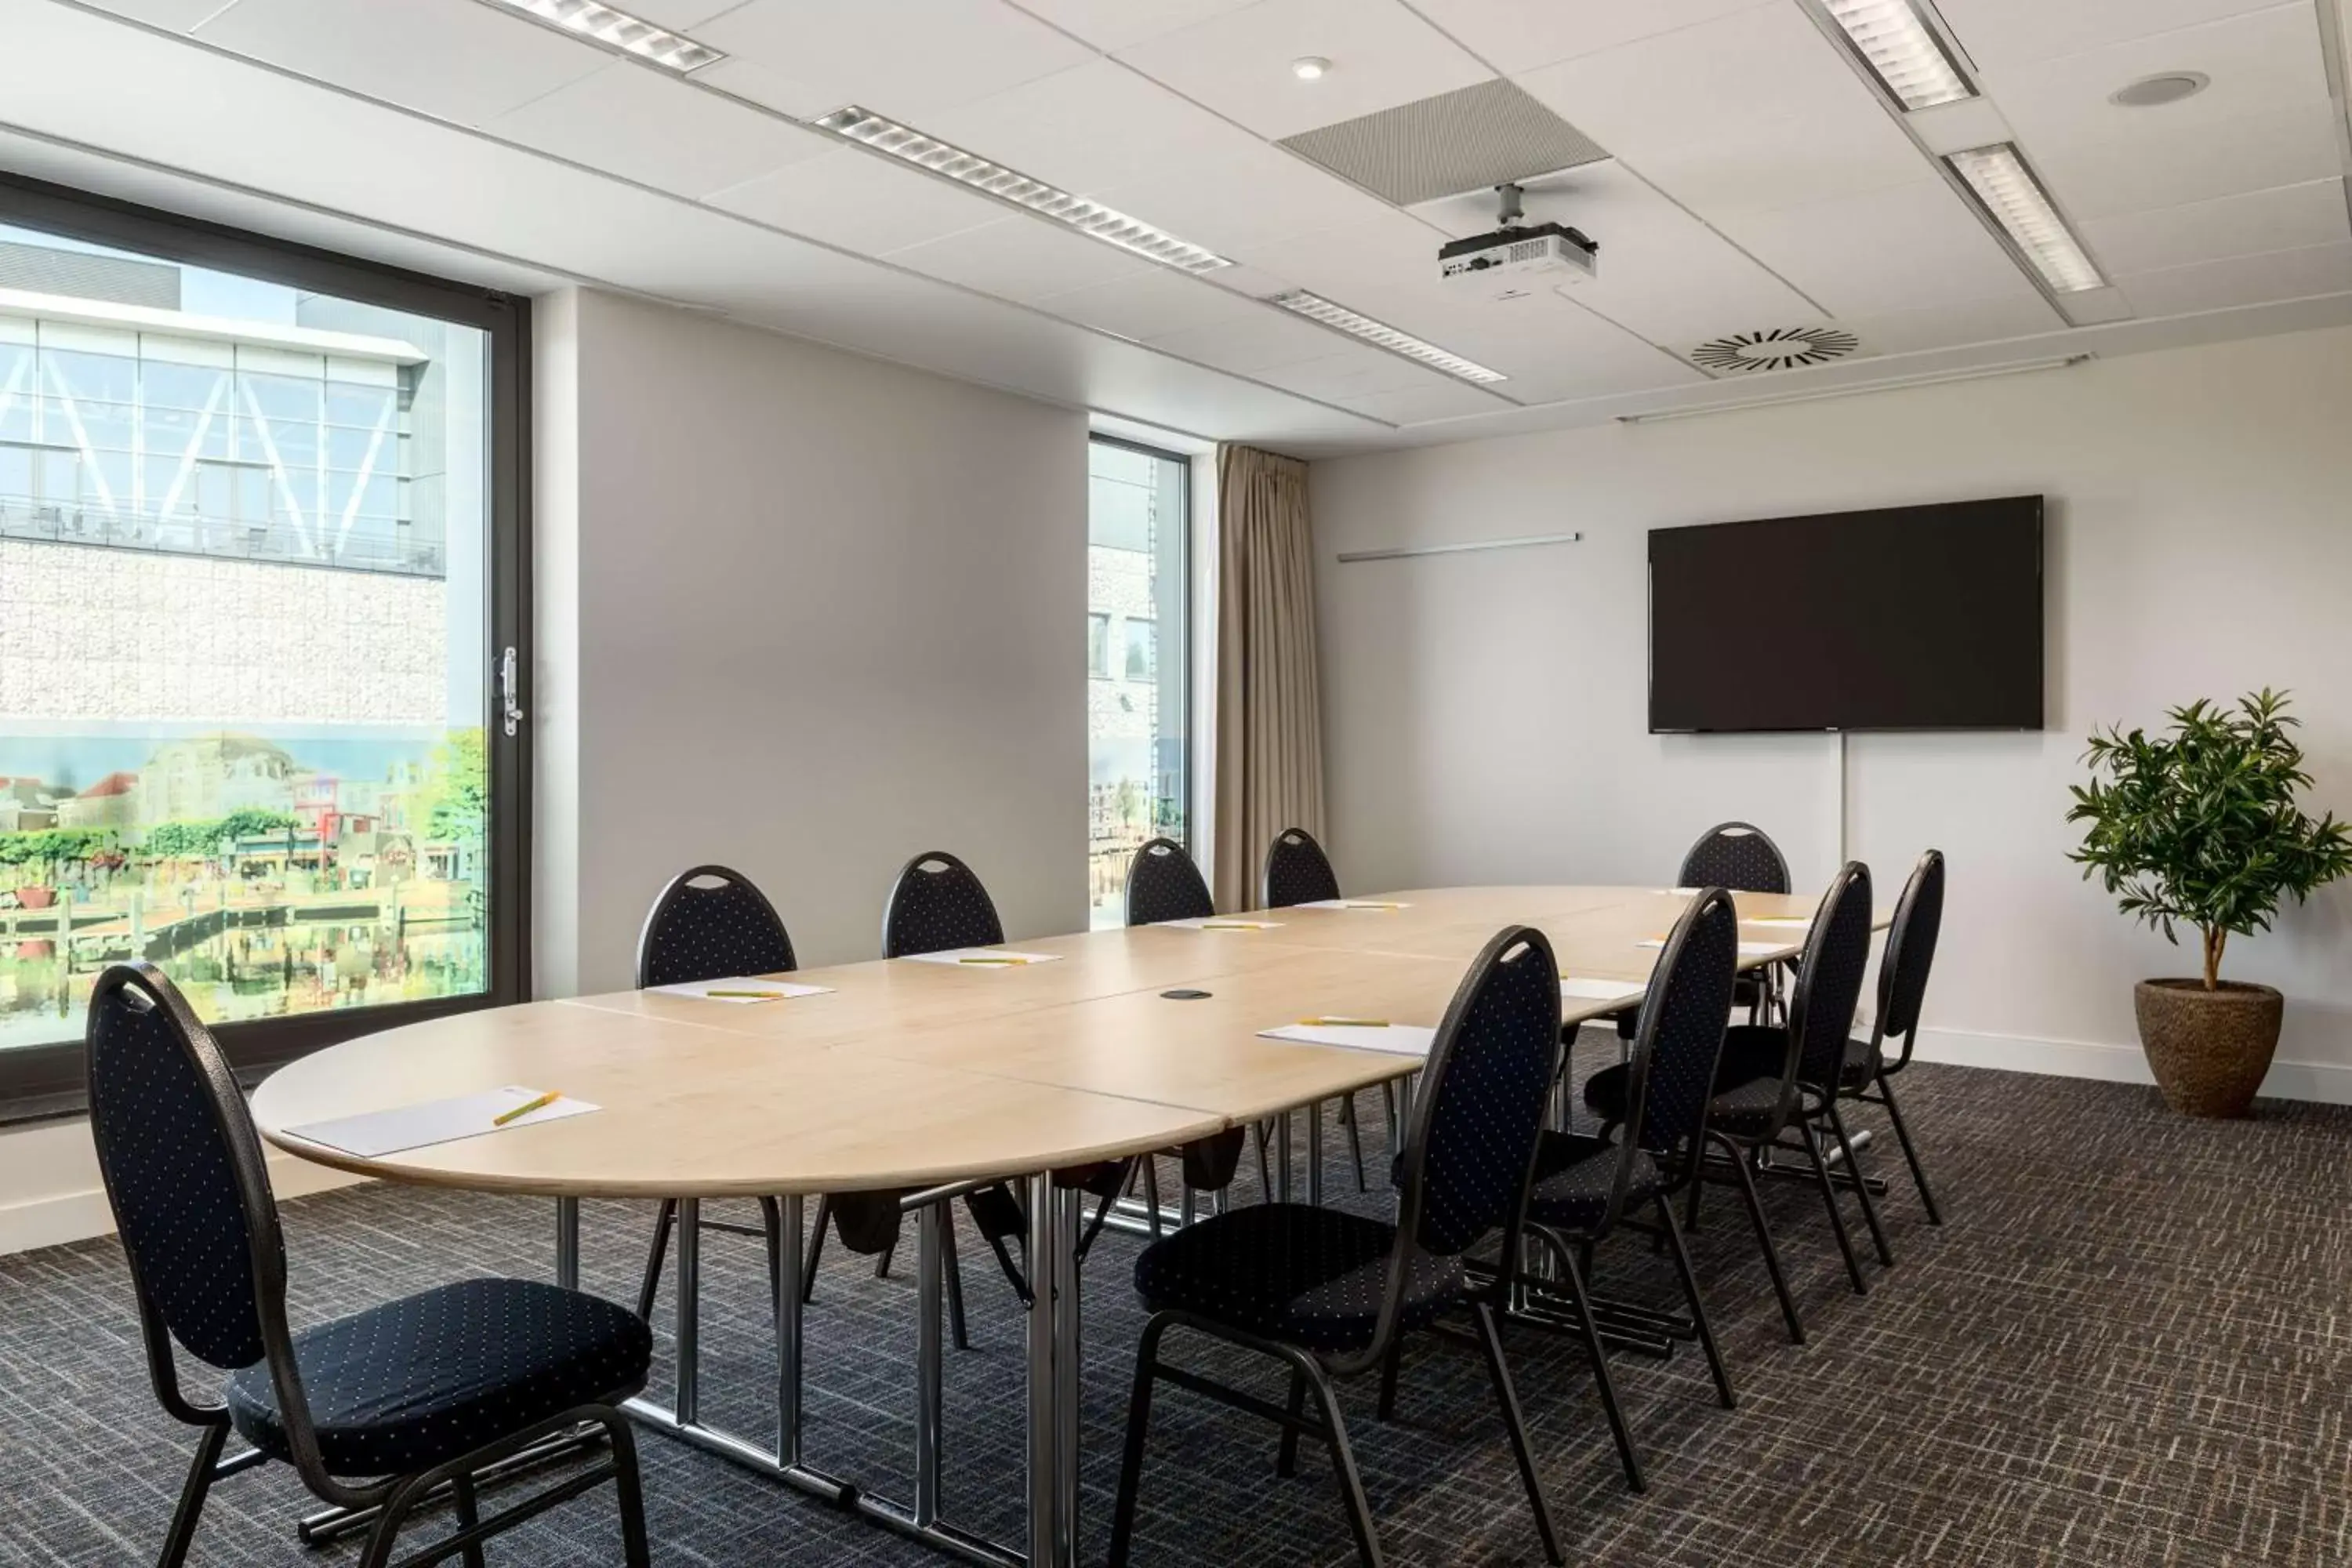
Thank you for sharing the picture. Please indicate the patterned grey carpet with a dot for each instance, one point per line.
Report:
(2128, 1346)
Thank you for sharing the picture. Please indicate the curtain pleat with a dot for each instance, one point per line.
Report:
(1269, 706)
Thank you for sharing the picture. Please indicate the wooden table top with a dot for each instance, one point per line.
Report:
(909, 1074)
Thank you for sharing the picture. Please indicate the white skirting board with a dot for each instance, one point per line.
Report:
(71, 1204)
(2325, 1083)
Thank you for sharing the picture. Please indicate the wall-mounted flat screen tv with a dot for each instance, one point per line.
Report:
(1918, 617)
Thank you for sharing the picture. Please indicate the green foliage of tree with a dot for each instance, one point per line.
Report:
(252, 822)
(2200, 825)
(455, 801)
(50, 847)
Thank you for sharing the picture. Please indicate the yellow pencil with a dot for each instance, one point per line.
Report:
(1344, 1023)
(993, 961)
(750, 996)
(542, 1103)
(1232, 925)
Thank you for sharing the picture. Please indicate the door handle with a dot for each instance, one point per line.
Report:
(510, 690)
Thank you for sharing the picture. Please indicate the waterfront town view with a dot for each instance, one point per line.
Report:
(1137, 520)
(242, 644)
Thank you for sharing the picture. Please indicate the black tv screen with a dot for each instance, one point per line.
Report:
(1921, 618)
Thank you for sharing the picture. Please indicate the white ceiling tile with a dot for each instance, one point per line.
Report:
(1389, 248)
(1263, 197)
(454, 59)
(178, 15)
(1022, 258)
(2097, 306)
(2287, 218)
(1951, 326)
(905, 58)
(1454, 401)
(1268, 337)
(1519, 35)
(2001, 33)
(678, 15)
(1149, 305)
(648, 126)
(1904, 247)
(1096, 127)
(2241, 280)
(860, 201)
(780, 91)
(1352, 373)
(1115, 24)
(2165, 164)
(1664, 275)
(1550, 347)
(1238, 64)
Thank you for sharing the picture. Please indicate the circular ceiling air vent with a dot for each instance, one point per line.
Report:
(1777, 348)
(2156, 91)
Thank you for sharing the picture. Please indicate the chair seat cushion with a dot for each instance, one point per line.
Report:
(404, 1387)
(1861, 1064)
(1575, 1173)
(1747, 1083)
(1311, 1277)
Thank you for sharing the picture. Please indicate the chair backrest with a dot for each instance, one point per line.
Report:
(1298, 871)
(1829, 984)
(711, 923)
(1470, 1136)
(1910, 952)
(1163, 884)
(1736, 855)
(1678, 1040)
(937, 903)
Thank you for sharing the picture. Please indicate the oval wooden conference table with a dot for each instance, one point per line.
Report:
(909, 1074)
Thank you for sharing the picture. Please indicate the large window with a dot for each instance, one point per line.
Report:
(259, 553)
(1137, 730)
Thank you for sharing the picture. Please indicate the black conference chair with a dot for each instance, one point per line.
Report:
(1902, 986)
(1328, 1293)
(710, 923)
(380, 1410)
(939, 903)
(1742, 857)
(1298, 872)
(1761, 1086)
(1587, 1184)
(1163, 884)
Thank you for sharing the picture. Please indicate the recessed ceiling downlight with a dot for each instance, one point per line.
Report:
(2156, 91)
(1310, 67)
(1774, 348)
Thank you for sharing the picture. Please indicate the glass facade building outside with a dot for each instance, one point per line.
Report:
(1138, 661)
(244, 534)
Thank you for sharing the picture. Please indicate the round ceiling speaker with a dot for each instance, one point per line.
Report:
(2156, 91)
(1780, 348)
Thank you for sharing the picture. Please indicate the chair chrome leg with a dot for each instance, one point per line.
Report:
(470, 1516)
(1698, 1307)
(1910, 1153)
(1763, 1236)
(930, 1286)
(1837, 1216)
(1598, 1352)
(1490, 1340)
(688, 1400)
(651, 1287)
(193, 1492)
(1860, 1187)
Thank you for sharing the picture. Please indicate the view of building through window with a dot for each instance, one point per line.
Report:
(243, 562)
(1136, 708)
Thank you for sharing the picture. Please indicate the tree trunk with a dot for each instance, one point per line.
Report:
(2216, 939)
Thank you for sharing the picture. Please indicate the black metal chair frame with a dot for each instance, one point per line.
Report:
(1803, 1106)
(1298, 844)
(1160, 878)
(391, 1500)
(1538, 1300)
(1312, 1371)
(1903, 971)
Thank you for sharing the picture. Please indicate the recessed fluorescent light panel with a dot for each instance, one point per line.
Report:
(1316, 308)
(1903, 51)
(1090, 218)
(621, 30)
(2017, 202)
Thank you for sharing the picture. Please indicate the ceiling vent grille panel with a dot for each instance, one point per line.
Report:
(1774, 348)
(1470, 140)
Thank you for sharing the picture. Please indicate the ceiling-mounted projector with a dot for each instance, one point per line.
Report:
(1519, 259)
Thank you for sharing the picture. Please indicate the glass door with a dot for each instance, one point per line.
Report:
(1138, 729)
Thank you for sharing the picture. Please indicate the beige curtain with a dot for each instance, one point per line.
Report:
(1269, 756)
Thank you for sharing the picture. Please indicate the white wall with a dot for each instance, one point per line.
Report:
(1486, 713)
(804, 613)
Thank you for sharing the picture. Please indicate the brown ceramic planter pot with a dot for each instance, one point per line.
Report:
(2208, 1048)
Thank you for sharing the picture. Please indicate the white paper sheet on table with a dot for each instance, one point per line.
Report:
(406, 1127)
(762, 989)
(1780, 922)
(1747, 949)
(984, 958)
(1585, 988)
(1395, 1039)
(1382, 904)
(1222, 923)
(1679, 892)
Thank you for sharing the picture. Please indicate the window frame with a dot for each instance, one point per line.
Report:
(1181, 618)
(43, 1082)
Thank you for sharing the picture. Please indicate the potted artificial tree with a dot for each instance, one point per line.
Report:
(2199, 827)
